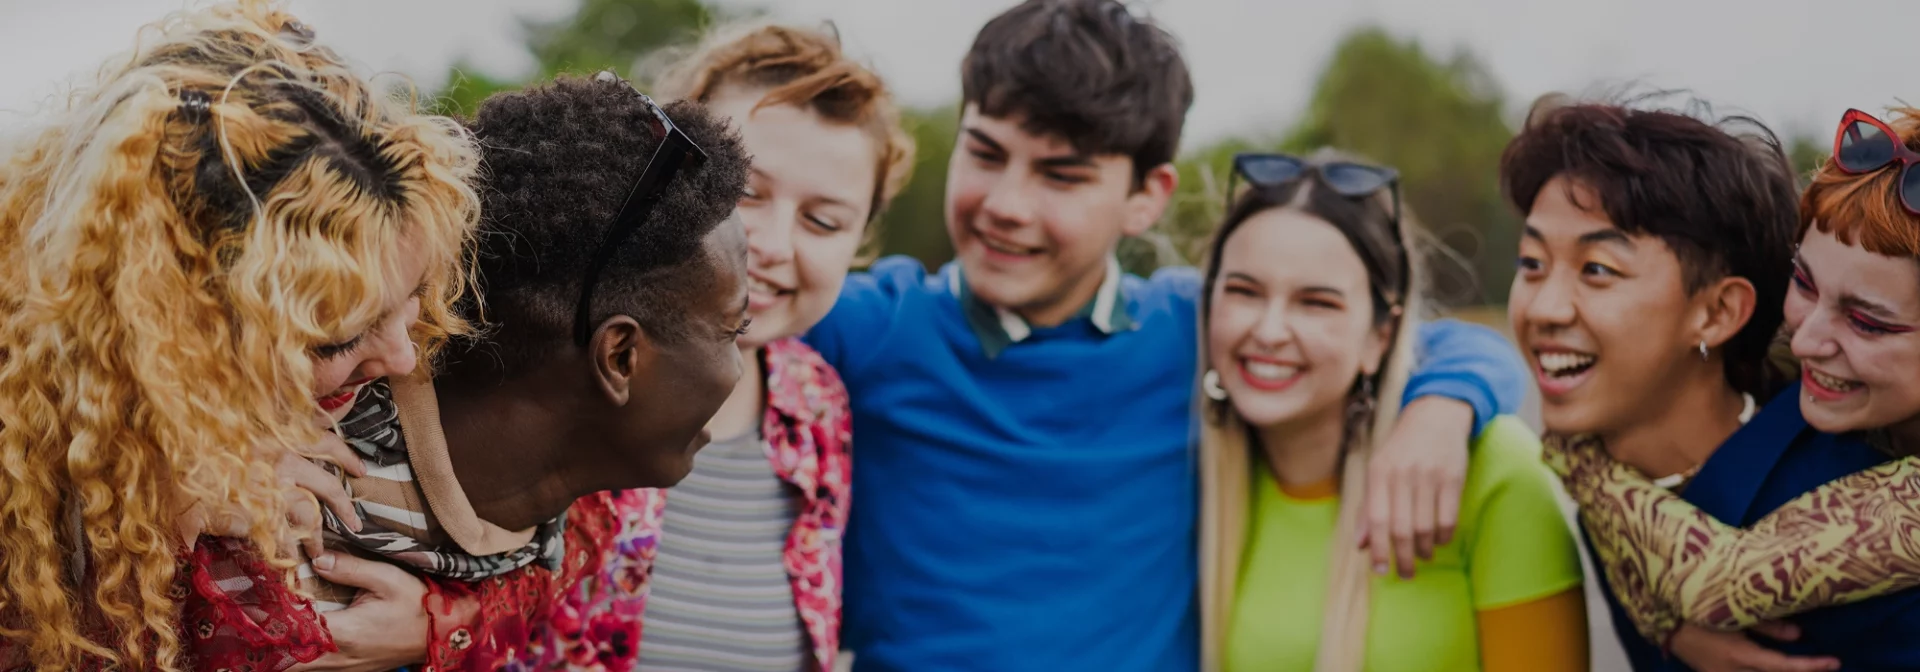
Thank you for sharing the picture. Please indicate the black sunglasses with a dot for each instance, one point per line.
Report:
(676, 151)
(1349, 179)
(1352, 180)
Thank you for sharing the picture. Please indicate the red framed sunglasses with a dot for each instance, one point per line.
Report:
(1864, 144)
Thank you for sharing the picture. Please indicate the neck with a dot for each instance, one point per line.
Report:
(1305, 451)
(1057, 312)
(515, 451)
(747, 406)
(1905, 436)
(1688, 426)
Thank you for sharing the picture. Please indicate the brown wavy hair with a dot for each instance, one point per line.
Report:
(803, 67)
(173, 246)
(1865, 209)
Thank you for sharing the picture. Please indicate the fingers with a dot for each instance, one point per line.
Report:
(381, 579)
(1402, 524)
(1777, 630)
(1426, 494)
(1768, 660)
(1447, 508)
(1379, 517)
(325, 487)
(334, 450)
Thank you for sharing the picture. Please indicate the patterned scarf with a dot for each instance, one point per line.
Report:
(372, 428)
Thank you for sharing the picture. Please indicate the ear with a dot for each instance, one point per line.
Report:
(1379, 340)
(1722, 309)
(620, 353)
(1147, 203)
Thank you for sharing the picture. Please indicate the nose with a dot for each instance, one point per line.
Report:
(1274, 329)
(770, 232)
(1009, 202)
(1813, 340)
(1551, 302)
(394, 352)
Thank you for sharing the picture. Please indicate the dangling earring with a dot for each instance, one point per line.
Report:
(1363, 405)
(1210, 384)
(1703, 350)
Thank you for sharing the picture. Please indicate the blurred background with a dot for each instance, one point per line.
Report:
(1432, 87)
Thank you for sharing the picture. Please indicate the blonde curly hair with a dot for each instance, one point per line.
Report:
(173, 246)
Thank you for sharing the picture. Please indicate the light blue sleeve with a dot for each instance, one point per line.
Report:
(1472, 363)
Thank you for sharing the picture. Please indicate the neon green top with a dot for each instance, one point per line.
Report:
(1511, 546)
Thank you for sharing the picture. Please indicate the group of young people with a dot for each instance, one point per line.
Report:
(294, 375)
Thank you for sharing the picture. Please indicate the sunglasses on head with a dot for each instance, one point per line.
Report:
(1352, 180)
(676, 151)
(1864, 144)
(1346, 178)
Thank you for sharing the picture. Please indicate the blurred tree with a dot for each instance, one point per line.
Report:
(600, 34)
(915, 224)
(1438, 122)
(1807, 154)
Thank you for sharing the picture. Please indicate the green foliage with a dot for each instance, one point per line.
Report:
(1385, 100)
(601, 34)
(1807, 154)
(915, 224)
(615, 33)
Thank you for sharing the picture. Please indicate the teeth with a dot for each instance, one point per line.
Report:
(1557, 362)
(1003, 247)
(1267, 371)
(1832, 383)
(758, 287)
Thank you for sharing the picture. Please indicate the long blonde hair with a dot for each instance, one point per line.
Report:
(803, 67)
(1226, 458)
(176, 242)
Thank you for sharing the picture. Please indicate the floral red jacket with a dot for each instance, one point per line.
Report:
(511, 623)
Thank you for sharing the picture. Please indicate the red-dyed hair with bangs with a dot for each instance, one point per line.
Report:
(1865, 209)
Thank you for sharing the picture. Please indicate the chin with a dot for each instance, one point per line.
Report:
(1834, 421)
(1570, 421)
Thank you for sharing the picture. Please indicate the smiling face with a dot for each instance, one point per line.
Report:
(1604, 317)
(808, 200)
(1033, 220)
(382, 349)
(1292, 322)
(1854, 315)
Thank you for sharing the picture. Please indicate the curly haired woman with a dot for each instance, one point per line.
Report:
(205, 256)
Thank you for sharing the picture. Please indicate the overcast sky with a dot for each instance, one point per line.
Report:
(1796, 63)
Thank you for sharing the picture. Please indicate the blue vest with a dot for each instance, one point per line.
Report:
(1775, 458)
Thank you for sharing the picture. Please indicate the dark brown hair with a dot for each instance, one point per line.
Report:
(1085, 70)
(1717, 190)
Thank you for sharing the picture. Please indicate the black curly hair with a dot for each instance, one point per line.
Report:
(559, 160)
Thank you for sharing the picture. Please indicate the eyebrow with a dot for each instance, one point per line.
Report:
(1318, 289)
(1074, 160)
(1586, 239)
(1869, 306)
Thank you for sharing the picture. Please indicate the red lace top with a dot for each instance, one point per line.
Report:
(233, 615)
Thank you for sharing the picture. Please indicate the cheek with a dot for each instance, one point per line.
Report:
(1796, 308)
(1228, 325)
(330, 374)
(967, 187)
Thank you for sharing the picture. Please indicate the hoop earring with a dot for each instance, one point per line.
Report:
(1210, 384)
(1703, 350)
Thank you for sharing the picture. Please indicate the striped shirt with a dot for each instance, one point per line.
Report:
(721, 597)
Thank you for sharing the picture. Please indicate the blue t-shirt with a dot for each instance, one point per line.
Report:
(1036, 509)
